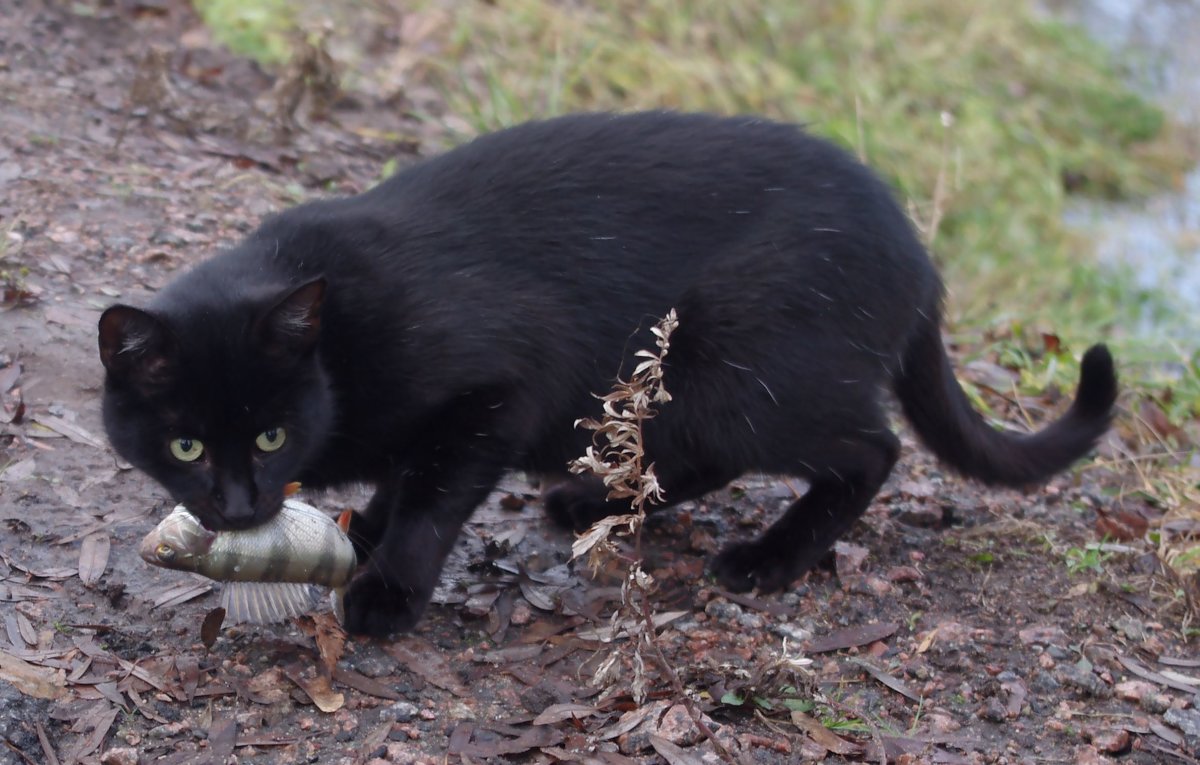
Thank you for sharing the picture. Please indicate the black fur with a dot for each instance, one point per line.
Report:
(455, 321)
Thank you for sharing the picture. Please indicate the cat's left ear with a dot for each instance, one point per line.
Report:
(291, 327)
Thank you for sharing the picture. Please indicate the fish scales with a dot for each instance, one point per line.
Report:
(300, 544)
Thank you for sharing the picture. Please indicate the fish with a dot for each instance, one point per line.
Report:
(269, 570)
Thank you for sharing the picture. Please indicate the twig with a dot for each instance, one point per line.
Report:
(677, 684)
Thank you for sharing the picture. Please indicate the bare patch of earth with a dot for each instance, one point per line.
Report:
(955, 626)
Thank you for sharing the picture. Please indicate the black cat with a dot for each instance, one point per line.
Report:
(454, 322)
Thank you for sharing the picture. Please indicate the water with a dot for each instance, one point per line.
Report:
(1158, 239)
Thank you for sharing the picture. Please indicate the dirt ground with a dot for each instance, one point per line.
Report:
(957, 625)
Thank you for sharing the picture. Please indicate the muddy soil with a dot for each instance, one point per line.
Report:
(956, 625)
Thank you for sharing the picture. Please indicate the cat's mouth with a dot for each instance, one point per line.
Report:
(236, 517)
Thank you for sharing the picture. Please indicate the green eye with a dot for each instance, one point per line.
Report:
(186, 449)
(270, 440)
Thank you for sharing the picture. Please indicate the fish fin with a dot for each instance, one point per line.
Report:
(343, 521)
(336, 599)
(291, 488)
(265, 602)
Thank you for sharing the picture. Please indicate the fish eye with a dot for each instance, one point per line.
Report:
(165, 553)
(271, 439)
(186, 449)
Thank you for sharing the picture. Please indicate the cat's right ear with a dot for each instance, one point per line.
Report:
(135, 346)
(292, 326)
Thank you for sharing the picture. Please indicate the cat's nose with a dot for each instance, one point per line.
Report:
(236, 505)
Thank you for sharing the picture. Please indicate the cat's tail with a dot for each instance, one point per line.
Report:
(950, 427)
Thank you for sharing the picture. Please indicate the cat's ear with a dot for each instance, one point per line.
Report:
(135, 346)
(292, 326)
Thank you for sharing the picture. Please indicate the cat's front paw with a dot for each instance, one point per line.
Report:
(379, 608)
(748, 565)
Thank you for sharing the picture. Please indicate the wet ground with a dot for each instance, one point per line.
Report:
(956, 625)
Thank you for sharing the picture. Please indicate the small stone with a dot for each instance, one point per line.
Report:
(121, 755)
(401, 712)
(942, 723)
(522, 614)
(373, 665)
(677, 727)
(1156, 702)
(1186, 720)
(751, 621)
(993, 711)
(793, 632)
(723, 610)
(1084, 680)
(1133, 690)
(1043, 634)
(1112, 741)
(1087, 755)
(899, 574)
(1132, 628)
(878, 587)
(926, 516)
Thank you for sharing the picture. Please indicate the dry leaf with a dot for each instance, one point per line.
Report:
(825, 737)
(559, 712)
(851, 637)
(93, 557)
(32, 680)
(210, 628)
(317, 688)
(422, 658)
(331, 640)
(673, 754)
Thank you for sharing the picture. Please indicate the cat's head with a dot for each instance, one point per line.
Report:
(221, 400)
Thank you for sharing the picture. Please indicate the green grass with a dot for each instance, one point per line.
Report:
(1006, 108)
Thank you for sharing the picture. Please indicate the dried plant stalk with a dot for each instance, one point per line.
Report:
(617, 456)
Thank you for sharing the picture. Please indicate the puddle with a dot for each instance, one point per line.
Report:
(1157, 239)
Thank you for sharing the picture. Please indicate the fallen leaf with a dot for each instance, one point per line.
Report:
(47, 747)
(9, 376)
(423, 659)
(674, 755)
(894, 683)
(364, 684)
(608, 633)
(851, 637)
(32, 680)
(18, 471)
(174, 594)
(330, 638)
(69, 430)
(93, 557)
(188, 668)
(559, 712)
(825, 737)
(222, 736)
(317, 688)
(210, 628)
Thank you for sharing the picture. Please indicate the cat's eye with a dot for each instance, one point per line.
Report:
(186, 449)
(270, 440)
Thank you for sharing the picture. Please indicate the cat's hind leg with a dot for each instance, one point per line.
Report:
(842, 486)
